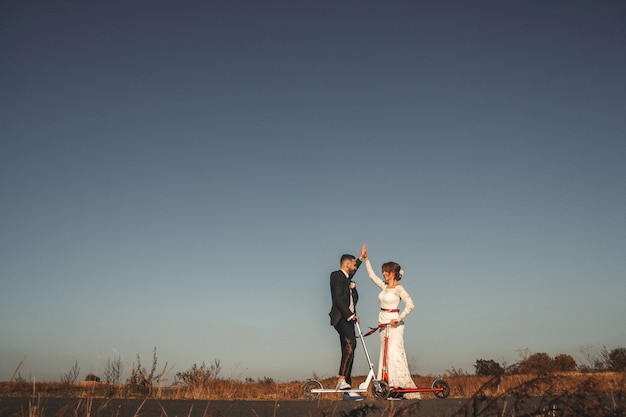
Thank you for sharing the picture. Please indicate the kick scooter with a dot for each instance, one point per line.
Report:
(313, 388)
(383, 391)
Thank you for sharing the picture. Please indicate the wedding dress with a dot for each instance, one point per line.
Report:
(397, 364)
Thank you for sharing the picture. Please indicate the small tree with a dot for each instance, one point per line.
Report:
(71, 376)
(589, 355)
(537, 363)
(602, 360)
(143, 381)
(92, 378)
(564, 363)
(617, 360)
(488, 367)
(197, 380)
(112, 371)
(523, 354)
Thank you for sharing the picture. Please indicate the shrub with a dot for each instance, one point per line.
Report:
(92, 378)
(141, 380)
(485, 367)
(538, 363)
(617, 360)
(71, 376)
(196, 380)
(112, 371)
(564, 363)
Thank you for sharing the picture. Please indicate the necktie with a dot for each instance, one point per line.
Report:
(351, 300)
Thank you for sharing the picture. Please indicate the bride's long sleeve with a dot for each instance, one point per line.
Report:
(370, 272)
(408, 302)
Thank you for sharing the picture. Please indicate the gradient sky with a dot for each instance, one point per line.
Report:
(186, 175)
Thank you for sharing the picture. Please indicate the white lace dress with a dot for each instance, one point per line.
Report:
(397, 365)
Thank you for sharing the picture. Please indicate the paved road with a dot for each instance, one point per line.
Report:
(58, 407)
(449, 407)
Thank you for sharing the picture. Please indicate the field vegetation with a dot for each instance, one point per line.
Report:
(461, 386)
(556, 384)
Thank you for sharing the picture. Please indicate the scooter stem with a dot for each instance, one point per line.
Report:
(367, 355)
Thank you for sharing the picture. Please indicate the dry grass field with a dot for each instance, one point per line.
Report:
(554, 384)
(597, 394)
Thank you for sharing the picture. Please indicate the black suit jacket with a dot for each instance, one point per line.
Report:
(340, 295)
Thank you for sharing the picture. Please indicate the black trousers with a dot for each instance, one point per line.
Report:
(347, 338)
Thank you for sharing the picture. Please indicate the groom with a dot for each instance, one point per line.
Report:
(343, 313)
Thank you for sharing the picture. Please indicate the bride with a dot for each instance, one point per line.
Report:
(390, 296)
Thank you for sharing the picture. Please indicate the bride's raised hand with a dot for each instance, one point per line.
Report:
(363, 252)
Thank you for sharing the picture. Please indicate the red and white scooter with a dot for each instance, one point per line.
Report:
(439, 387)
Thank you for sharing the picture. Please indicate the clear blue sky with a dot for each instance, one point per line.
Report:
(186, 175)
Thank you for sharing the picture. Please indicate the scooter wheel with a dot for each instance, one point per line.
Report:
(443, 389)
(381, 390)
(310, 386)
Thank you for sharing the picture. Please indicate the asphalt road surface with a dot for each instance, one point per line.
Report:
(64, 407)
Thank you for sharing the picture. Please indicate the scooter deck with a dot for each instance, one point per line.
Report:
(328, 390)
(409, 390)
